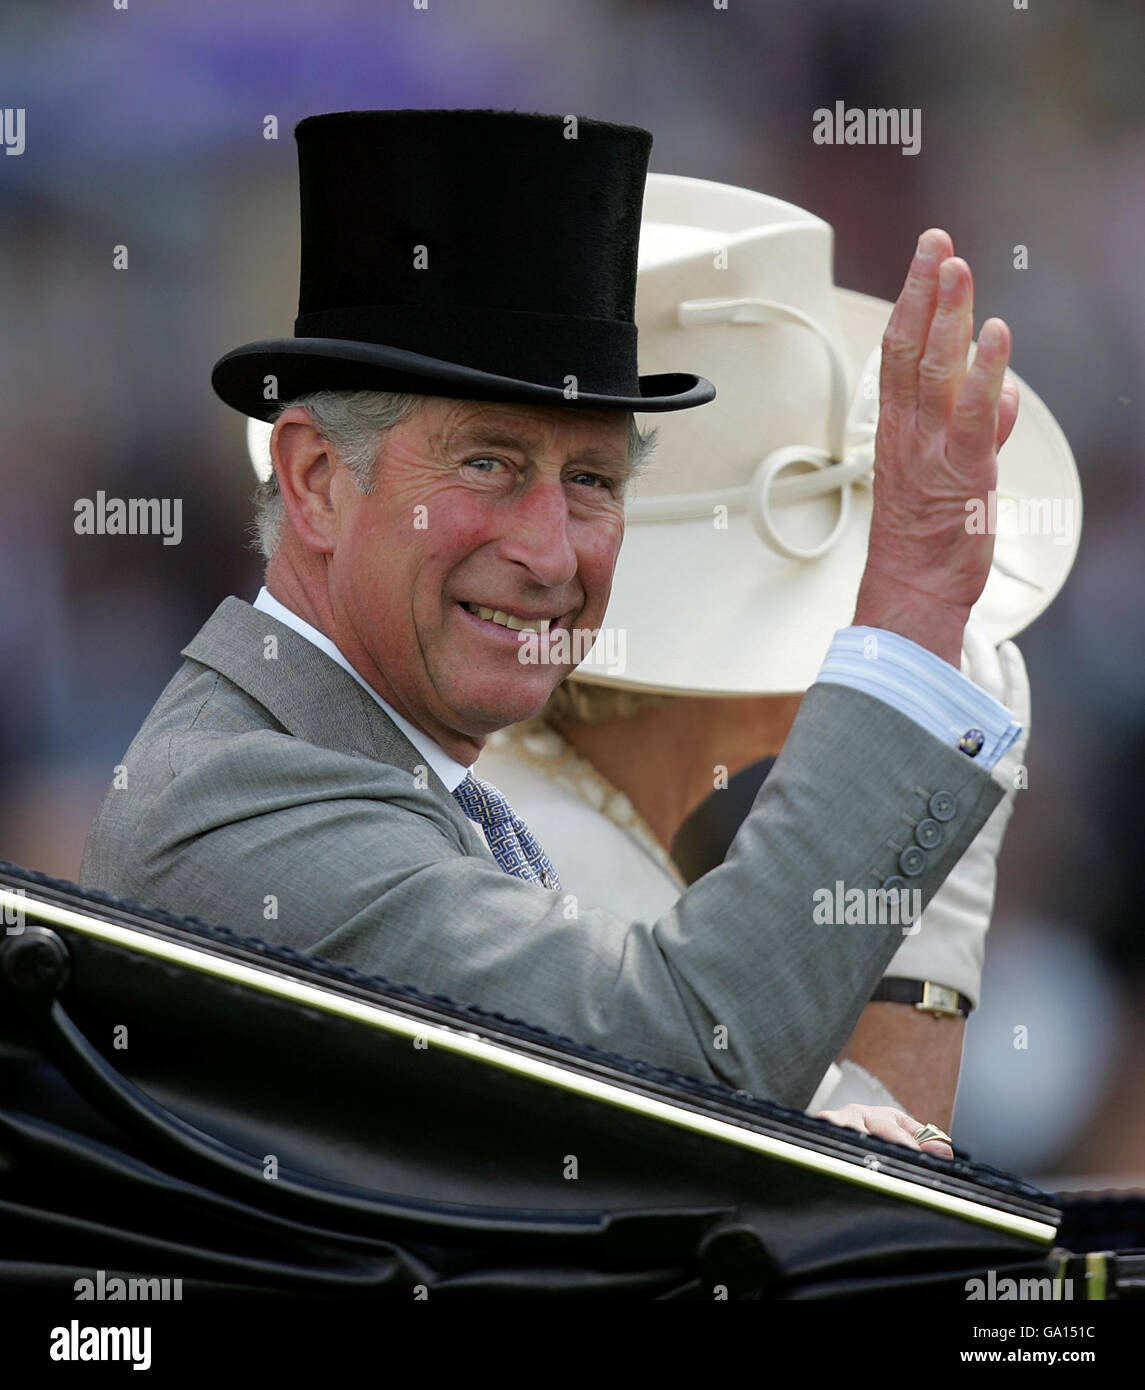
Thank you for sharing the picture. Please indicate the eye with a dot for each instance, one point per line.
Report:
(484, 464)
(594, 480)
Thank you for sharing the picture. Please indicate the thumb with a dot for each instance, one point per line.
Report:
(1007, 410)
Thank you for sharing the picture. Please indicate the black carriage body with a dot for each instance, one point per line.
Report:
(177, 1101)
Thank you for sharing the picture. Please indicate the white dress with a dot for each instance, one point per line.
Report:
(607, 857)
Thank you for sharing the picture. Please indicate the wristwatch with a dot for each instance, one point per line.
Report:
(939, 1000)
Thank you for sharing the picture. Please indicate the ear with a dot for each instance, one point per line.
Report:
(305, 471)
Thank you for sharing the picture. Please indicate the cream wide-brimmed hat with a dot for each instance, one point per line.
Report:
(747, 534)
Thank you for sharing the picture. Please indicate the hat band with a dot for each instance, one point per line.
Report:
(573, 354)
(837, 468)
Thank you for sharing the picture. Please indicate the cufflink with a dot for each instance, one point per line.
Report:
(972, 742)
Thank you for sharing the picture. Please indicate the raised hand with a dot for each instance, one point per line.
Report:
(940, 426)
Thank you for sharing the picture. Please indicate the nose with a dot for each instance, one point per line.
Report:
(536, 532)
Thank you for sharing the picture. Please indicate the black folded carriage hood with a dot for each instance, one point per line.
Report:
(179, 1101)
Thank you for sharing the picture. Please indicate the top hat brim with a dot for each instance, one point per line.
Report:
(291, 367)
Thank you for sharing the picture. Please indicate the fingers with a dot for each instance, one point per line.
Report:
(981, 661)
(1000, 671)
(942, 368)
(847, 1117)
(906, 333)
(927, 339)
(885, 1122)
(973, 429)
(1016, 682)
(908, 1127)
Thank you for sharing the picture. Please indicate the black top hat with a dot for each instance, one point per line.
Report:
(486, 255)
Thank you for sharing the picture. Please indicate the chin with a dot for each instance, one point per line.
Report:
(486, 711)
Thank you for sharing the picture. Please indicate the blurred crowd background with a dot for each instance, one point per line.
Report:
(145, 129)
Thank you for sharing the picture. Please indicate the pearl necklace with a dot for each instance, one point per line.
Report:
(539, 745)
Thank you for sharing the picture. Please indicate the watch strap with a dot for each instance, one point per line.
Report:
(925, 995)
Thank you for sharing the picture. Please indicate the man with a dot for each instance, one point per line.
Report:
(304, 776)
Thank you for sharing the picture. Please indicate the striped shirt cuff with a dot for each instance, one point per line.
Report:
(925, 688)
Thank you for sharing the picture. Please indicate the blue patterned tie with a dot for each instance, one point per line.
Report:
(510, 839)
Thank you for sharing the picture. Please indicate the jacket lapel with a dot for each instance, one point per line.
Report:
(310, 695)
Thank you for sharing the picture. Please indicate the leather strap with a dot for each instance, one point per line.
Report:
(939, 1000)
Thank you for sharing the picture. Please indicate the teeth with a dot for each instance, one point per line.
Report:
(508, 620)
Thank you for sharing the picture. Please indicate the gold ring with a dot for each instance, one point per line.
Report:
(924, 1133)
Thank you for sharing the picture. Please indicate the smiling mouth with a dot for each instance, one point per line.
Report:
(509, 620)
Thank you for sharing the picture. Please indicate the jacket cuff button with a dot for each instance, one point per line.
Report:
(928, 833)
(912, 861)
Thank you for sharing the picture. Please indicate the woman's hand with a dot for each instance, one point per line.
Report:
(885, 1122)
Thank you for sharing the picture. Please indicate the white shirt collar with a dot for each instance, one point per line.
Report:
(448, 769)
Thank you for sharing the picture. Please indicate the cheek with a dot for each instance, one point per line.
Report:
(410, 545)
(451, 532)
(430, 555)
(597, 553)
(373, 567)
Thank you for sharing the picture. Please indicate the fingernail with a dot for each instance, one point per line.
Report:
(948, 275)
(991, 336)
(926, 249)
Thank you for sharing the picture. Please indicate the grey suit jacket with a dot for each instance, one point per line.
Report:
(268, 792)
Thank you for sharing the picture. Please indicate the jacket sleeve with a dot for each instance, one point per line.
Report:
(738, 982)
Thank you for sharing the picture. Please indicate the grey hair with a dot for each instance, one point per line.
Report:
(354, 424)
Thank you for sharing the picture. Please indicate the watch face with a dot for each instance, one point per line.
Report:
(941, 999)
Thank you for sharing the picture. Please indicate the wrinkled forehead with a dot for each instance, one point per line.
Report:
(534, 429)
